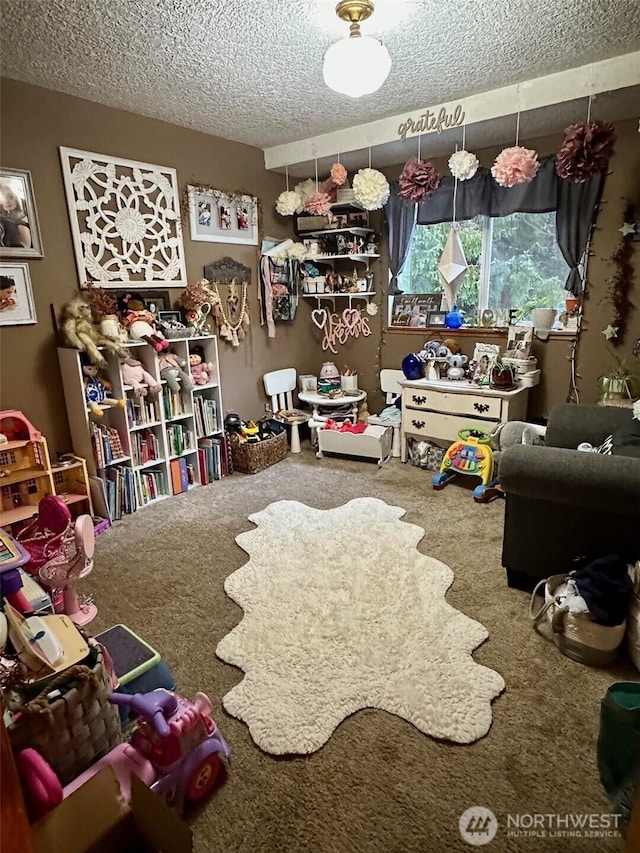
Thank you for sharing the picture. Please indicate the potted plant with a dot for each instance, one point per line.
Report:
(502, 375)
(105, 309)
(618, 381)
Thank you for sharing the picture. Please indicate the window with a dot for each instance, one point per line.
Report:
(514, 263)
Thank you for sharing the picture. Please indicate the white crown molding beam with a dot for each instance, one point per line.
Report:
(605, 76)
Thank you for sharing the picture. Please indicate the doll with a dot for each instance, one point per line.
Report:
(80, 332)
(134, 374)
(201, 370)
(172, 370)
(97, 389)
(141, 323)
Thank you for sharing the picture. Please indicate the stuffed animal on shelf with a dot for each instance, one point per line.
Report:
(97, 389)
(141, 323)
(80, 332)
(142, 382)
(201, 370)
(173, 371)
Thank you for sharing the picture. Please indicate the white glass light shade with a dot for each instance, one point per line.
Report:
(356, 66)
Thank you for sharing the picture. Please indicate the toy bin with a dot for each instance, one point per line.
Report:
(250, 458)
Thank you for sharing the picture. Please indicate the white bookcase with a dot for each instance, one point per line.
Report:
(149, 435)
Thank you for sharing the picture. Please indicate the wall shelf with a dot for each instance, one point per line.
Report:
(356, 229)
(331, 297)
(321, 258)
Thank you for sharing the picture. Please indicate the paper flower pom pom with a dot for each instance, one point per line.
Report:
(418, 179)
(516, 165)
(463, 165)
(319, 204)
(305, 189)
(370, 188)
(585, 150)
(338, 174)
(289, 203)
(297, 252)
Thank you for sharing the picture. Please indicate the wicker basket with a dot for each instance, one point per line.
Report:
(75, 730)
(251, 458)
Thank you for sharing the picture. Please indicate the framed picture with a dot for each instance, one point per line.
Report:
(519, 341)
(19, 229)
(436, 318)
(484, 355)
(157, 301)
(16, 296)
(215, 217)
(415, 311)
(169, 317)
(125, 221)
(359, 219)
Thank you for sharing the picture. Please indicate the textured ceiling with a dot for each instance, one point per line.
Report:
(251, 71)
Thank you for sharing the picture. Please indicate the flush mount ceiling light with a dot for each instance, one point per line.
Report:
(357, 65)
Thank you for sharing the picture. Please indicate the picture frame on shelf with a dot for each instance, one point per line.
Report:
(157, 301)
(484, 356)
(218, 217)
(436, 318)
(19, 227)
(413, 311)
(358, 219)
(17, 306)
(169, 317)
(519, 341)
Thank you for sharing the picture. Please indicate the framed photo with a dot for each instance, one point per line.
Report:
(519, 341)
(436, 318)
(484, 356)
(19, 229)
(16, 296)
(215, 217)
(359, 219)
(340, 220)
(169, 317)
(415, 311)
(157, 301)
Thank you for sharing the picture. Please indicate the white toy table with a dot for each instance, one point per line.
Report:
(319, 401)
(375, 443)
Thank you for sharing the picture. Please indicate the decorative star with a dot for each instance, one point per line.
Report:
(610, 332)
(627, 228)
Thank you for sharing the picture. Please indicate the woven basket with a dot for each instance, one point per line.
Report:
(251, 458)
(75, 730)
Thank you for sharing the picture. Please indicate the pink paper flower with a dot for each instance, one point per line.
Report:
(516, 165)
(318, 203)
(338, 174)
(418, 179)
(585, 150)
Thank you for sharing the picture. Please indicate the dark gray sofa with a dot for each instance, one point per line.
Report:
(562, 503)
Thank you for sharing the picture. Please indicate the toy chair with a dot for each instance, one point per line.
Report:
(75, 561)
(389, 380)
(46, 534)
(470, 455)
(280, 385)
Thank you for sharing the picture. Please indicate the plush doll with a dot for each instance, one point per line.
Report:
(97, 389)
(80, 332)
(172, 370)
(201, 370)
(134, 374)
(509, 433)
(141, 323)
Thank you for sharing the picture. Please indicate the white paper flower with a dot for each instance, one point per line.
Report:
(463, 165)
(305, 189)
(297, 252)
(370, 188)
(289, 203)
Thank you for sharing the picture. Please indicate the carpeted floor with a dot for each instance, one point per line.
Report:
(379, 785)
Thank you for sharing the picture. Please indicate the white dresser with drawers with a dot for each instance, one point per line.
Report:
(438, 409)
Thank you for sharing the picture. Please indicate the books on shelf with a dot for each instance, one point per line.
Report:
(205, 412)
(151, 484)
(213, 459)
(141, 411)
(145, 447)
(173, 404)
(119, 483)
(107, 444)
(179, 439)
(179, 475)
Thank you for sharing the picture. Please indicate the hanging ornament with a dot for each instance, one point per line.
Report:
(370, 189)
(610, 332)
(305, 189)
(231, 330)
(452, 267)
(585, 150)
(297, 252)
(463, 165)
(338, 174)
(289, 202)
(516, 165)
(318, 203)
(418, 179)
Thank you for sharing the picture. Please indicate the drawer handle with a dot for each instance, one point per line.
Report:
(419, 400)
(418, 424)
(481, 407)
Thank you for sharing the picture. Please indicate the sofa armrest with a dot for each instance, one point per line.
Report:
(611, 483)
(569, 425)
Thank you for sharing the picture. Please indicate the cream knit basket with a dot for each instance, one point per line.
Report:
(576, 634)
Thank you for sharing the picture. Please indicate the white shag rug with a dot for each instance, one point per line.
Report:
(342, 612)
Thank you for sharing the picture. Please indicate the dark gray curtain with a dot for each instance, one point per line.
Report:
(401, 217)
(578, 206)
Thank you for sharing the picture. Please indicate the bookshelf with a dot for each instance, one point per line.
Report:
(157, 446)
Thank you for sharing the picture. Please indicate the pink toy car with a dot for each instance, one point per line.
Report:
(175, 751)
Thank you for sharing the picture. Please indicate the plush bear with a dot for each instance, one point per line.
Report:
(79, 331)
(201, 370)
(134, 374)
(172, 370)
(97, 389)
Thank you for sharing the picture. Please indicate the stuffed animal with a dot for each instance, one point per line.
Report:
(134, 374)
(172, 370)
(141, 323)
(97, 389)
(201, 370)
(79, 331)
(456, 366)
(509, 433)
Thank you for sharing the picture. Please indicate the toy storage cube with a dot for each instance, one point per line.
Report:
(375, 443)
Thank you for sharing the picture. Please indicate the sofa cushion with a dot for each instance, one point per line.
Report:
(626, 441)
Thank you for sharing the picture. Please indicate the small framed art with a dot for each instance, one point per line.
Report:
(216, 217)
(484, 356)
(436, 318)
(19, 229)
(16, 296)
(519, 341)
(169, 317)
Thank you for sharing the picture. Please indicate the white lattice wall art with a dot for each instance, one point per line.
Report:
(125, 221)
